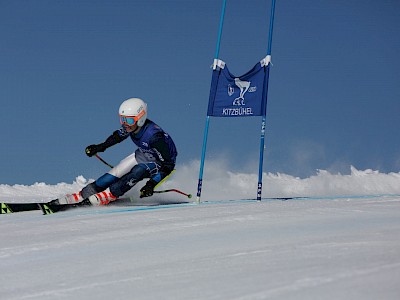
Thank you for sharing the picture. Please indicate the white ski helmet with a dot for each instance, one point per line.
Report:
(134, 107)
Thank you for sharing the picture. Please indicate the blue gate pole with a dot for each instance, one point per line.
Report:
(203, 152)
(264, 117)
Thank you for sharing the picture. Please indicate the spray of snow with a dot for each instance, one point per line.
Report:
(221, 184)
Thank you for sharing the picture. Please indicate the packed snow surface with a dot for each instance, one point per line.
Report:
(325, 246)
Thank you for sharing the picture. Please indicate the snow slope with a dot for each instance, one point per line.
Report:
(323, 247)
(344, 248)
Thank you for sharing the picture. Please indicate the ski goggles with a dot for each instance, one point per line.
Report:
(131, 120)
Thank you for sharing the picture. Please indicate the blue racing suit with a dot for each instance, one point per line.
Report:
(155, 158)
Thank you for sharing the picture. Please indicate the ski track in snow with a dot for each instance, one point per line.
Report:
(329, 248)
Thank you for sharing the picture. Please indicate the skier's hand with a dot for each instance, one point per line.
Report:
(93, 149)
(148, 189)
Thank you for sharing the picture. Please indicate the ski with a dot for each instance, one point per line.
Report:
(53, 206)
(49, 208)
(45, 207)
(8, 208)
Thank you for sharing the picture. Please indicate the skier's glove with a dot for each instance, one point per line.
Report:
(148, 189)
(93, 149)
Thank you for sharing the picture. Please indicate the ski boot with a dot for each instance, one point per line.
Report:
(102, 198)
(74, 198)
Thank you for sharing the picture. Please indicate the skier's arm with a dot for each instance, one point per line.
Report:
(113, 139)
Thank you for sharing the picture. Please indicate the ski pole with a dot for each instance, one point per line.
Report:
(103, 161)
(174, 190)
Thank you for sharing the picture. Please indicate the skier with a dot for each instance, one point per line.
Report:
(154, 159)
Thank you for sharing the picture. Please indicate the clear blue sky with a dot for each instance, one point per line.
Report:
(65, 66)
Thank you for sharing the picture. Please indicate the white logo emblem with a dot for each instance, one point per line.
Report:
(244, 86)
(132, 182)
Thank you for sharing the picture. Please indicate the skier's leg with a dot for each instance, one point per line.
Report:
(128, 181)
(102, 183)
(143, 169)
(125, 183)
(120, 187)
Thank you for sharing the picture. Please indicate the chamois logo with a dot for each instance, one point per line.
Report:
(244, 86)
